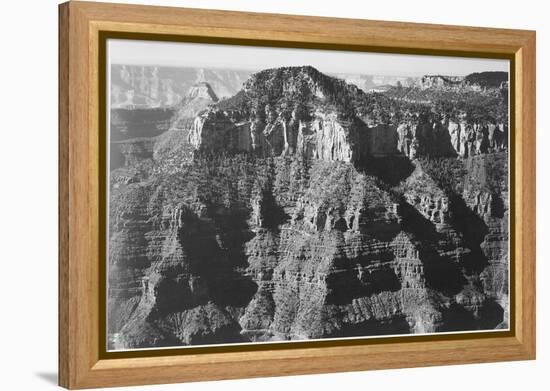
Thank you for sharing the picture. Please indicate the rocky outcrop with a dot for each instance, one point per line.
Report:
(214, 131)
(327, 137)
(448, 138)
(202, 90)
(486, 195)
(312, 115)
(323, 137)
(198, 98)
(477, 139)
(272, 124)
(427, 197)
(475, 81)
(440, 81)
(307, 251)
(271, 216)
(376, 83)
(139, 134)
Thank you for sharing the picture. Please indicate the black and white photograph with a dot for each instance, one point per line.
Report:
(265, 194)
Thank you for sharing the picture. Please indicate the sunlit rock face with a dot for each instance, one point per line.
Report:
(449, 138)
(295, 210)
(135, 131)
(323, 137)
(199, 97)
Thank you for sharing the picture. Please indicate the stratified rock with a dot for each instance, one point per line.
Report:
(198, 98)
(271, 216)
(158, 86)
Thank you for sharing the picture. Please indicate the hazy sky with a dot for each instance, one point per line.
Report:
(134, 52)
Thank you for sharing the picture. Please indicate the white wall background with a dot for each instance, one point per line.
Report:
(28, 207)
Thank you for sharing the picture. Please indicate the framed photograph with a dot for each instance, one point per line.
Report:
(247, 195)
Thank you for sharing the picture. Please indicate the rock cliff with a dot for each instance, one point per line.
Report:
(475, 81)
(305, 112)
(139, 133)
(298, 209)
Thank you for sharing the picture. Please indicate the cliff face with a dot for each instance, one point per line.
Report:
(323, 136)
(198, 98)
(315, 116)
(135, 132)
(265, 220)
(449, 138)
(276, 248)
(281, 112)
(474, 81)
(370, 83)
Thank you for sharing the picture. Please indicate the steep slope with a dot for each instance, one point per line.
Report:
(299, 110)
(295, 110)
(140, 134)
(370, 83)
(198, 98)
(474, 81)
(294, 211)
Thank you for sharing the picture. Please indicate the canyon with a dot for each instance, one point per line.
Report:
(302, 207)
(163, 86)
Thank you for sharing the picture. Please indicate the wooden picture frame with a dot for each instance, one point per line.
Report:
(81, 162)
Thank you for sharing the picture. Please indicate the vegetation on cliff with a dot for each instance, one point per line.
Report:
(211, 246)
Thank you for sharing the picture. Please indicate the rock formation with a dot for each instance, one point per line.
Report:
(198, 98)
(474, 81)
(134, 132)
(154, 86)
(272, 215)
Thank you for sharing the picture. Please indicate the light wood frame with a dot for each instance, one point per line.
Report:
(81, 364)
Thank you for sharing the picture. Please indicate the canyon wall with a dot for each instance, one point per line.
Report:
(135, 132)
(280, 214)
(326, 136)
(285, 248)
(134, 86)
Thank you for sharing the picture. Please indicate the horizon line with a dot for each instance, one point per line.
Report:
(257, 70)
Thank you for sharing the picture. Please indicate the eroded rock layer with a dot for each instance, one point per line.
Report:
(284, 248)
(261, 221)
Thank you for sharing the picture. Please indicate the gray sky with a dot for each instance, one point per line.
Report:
(134, 52)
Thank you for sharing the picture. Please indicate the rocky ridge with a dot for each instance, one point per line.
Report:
(139, 134)
(475, 81)
(134, 86)
(305, 114)
(299, 213)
